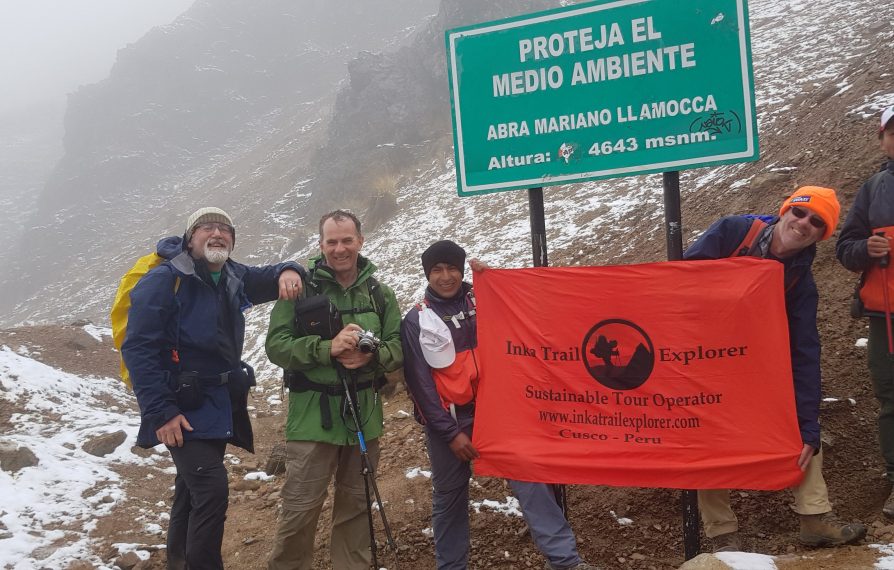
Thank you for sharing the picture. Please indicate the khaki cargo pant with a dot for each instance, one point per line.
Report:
(811, 498)
(309, 469)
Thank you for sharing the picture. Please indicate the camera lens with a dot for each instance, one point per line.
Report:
(367, 342)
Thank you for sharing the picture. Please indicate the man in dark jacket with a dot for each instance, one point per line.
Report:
(806, 217)
(865, 245)
(439, 339)
(183, 348)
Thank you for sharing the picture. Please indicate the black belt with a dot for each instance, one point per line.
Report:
(297, 381)
(194, 377)
(221, 379)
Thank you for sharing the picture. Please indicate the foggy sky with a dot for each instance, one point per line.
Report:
(50, 47)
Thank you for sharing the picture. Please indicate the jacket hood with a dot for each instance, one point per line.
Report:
(169, 247)
(172, 249)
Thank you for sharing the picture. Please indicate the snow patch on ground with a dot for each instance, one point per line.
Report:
(50, 507)
(623, 521)
(97, 332)
(746, 560)
(887, 561)
(510, 507)
(414, 472)
(259, 476)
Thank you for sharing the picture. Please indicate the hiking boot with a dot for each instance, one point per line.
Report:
(888, 509)
(827, 530)
(727, 542)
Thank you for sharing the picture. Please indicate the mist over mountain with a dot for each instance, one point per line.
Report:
(187, 116)
(30, 143)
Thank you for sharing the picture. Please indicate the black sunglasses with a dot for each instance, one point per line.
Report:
(815, 221)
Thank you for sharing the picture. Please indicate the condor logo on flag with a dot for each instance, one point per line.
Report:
(670, 375)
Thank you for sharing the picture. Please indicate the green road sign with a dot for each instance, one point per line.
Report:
(601, 90)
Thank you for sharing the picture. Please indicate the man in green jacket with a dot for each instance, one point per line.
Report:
(320, 432)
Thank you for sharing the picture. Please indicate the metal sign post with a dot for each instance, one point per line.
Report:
(538, 226)
(673, 225)
(538, 248)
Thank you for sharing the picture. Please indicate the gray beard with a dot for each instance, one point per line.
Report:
(215, 255)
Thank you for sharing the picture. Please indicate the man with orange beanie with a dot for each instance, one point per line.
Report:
(806, 217)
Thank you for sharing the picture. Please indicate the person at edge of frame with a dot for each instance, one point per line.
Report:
(864, 245)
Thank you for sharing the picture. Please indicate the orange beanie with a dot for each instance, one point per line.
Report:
(821, 201)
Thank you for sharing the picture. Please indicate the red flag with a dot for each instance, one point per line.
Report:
(672, 375)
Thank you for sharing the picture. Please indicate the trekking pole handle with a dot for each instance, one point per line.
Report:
(361, 440)
(883, 262)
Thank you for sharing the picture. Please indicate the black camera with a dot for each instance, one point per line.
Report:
(367, 342)
(189, 394)
(317, 316)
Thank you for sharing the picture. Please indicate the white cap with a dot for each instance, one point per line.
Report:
(887, 115)
(435, 340)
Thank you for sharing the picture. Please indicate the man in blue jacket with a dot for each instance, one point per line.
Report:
(183, 349)
(439, 338)
(806, 217)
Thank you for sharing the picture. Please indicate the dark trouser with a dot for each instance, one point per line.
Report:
(549, 528)
(195, 533)
(450, 500)
(450, 510)
(881, 370)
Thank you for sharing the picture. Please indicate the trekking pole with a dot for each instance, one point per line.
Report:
(883, 263)
(373, 547)
(369, 474)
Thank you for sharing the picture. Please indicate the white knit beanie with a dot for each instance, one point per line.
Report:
(205, 215)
